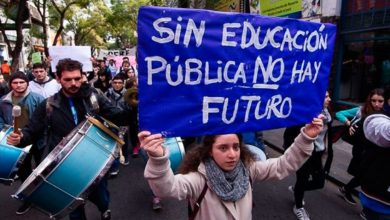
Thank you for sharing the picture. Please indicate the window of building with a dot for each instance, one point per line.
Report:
(365, 66)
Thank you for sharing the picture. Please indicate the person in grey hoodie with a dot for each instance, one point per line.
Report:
(375, 185)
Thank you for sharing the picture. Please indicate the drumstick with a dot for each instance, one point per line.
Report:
(122, 131)
(16, 112)
(121, 157)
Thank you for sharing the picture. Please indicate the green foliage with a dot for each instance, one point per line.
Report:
(184, 3)
(89, 25)
(67, 8)
(12, 11)
(123, 20)
(97, 24)
(212, 4)
(36, 31)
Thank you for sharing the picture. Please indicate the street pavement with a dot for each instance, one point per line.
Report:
(131, 197)
(342, 153)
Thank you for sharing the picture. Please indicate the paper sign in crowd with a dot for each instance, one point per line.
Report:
(79, 53)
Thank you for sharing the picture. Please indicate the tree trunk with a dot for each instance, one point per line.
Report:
(183, 3)
(44, 26)
(59, 31)
(42, 12)
(19, 36)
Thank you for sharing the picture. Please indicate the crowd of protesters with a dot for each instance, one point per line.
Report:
(220, 171)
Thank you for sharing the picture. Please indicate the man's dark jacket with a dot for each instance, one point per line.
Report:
(59, 121)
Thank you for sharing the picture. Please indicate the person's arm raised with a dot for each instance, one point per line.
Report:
(314, 128)
(152, 143)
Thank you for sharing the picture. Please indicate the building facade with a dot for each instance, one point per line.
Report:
(363, 60)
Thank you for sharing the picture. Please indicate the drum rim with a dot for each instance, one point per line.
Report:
(3, 131)
(181, 146)
(16, 166)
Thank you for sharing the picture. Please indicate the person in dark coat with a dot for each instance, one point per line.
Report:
(60, 114)
(4, 89)
(375, 167)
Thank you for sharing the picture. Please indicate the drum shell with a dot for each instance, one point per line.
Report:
(64, 178)
(10, 157)
(257, 152)
(176, 152)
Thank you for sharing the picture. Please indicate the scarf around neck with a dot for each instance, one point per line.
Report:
(229, 186)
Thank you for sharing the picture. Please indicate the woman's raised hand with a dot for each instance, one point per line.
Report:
(152, 143)
(315, 127)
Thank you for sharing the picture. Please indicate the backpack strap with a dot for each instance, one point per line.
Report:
(49, 108)
(192, 213)
(251, 183)
(46, 134)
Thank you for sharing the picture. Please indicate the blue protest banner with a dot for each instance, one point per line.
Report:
(205, 72)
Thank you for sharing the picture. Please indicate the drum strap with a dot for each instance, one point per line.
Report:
(49, 110)
(192, 213)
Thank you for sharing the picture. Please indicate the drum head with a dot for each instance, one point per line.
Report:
(105, 129)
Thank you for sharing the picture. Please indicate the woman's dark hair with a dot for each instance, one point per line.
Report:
(132, 68)
(68, 65)
(101, 73)
(102, 85)
(200, 153)
(367, 107)
(387, 94)
(126, 62)
(131, 82)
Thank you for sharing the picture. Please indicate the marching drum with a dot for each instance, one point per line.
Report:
(176, 152)
(10, 157)
(259, 154)
(65, 177)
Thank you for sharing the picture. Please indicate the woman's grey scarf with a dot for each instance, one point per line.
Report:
(229, 186)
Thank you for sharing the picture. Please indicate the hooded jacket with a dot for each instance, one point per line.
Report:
(30, 99)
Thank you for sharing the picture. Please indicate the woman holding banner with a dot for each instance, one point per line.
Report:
(217, 177)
